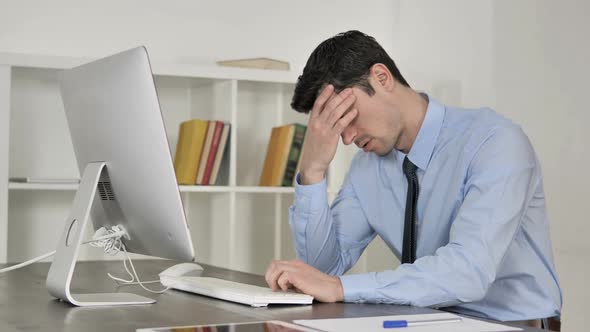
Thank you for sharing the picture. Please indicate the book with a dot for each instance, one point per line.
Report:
(220, 153)
(286, 134)
(256, 63)
(212, 152)
(277, 155)
(191, 138)
(270, 160)
(205, 152)
(294, 154)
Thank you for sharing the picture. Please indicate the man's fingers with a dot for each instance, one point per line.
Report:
(274, 272)
(269, 272)
(318, 105)
(340, 110)
(345, 120)
(333, 103)
(284, 282)
(274, 276)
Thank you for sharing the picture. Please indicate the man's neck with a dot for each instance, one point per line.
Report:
(412, 107)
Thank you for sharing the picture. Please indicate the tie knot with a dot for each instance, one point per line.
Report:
(409, 167)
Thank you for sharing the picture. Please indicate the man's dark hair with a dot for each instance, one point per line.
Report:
(343, 61)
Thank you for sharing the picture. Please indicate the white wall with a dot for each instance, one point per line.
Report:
(187, 30)
(444, 47)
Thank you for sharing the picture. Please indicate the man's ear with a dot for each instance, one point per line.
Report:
(382, 76)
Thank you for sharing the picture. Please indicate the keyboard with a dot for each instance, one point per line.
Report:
(255, 296)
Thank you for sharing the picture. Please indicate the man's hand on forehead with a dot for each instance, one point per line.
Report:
(331, 114)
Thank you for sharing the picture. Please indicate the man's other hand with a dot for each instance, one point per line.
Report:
(295, 274)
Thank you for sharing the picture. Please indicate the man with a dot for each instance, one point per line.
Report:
(456, 194)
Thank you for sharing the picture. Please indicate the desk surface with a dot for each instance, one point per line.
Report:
(25, 304)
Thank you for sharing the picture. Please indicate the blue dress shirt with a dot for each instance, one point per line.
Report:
(483, 245)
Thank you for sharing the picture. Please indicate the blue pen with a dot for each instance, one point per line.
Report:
(388, 324)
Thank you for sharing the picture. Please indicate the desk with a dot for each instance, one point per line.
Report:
(25, 304)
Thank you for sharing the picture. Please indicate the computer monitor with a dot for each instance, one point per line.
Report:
(127, 174)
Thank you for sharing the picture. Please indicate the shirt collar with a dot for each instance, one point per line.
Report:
(423, 146)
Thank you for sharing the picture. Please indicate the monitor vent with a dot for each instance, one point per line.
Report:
(106, 191)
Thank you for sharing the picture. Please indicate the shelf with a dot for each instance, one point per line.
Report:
(185, 189)
(42, 186)
(238, 189)
(209, 189)
(213, 71)
(202, 69)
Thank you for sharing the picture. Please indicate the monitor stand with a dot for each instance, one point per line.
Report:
(64, 261)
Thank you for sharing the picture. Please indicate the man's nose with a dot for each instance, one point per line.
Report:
(348, 135)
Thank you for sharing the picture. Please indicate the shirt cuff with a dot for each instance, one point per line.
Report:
(359, 288)
(312, 197)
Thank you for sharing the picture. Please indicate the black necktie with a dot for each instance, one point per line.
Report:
(409, 245)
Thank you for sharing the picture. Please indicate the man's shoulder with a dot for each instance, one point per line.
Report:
(476, 124)
(486, 132)
(475, 118)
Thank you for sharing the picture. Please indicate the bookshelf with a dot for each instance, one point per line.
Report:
(235, 224)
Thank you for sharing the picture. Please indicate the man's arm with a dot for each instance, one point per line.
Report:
(330, 239)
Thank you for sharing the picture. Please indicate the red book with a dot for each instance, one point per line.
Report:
(220, 153)
(212, 151)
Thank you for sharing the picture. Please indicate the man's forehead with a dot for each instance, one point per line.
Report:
(337, 89)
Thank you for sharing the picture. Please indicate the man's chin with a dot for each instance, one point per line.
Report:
(382, 152)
